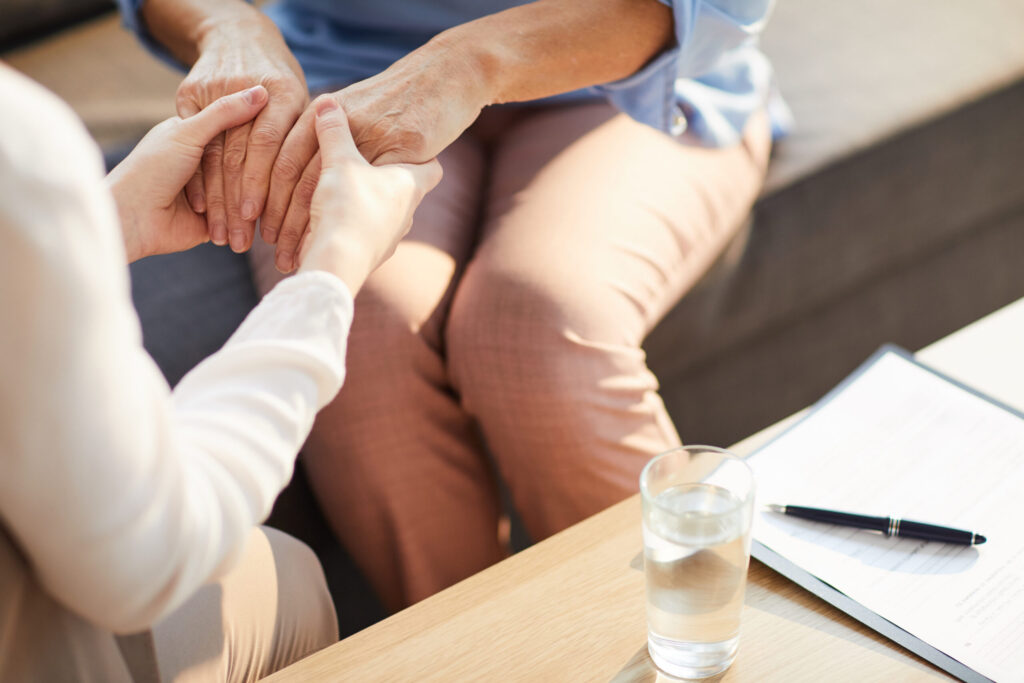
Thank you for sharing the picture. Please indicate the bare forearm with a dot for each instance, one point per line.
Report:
(554, 46)
(185, 26)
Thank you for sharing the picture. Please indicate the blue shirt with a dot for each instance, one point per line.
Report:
(702, 89)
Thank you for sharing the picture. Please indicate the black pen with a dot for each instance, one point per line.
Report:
(890, 526)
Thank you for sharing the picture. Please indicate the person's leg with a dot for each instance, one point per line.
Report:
(272, 609)
(394, 461)
(595, 226)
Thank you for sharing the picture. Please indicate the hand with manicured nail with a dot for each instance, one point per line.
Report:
(148, 186)
(359, 212)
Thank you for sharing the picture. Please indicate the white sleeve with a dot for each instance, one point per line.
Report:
(124, 496)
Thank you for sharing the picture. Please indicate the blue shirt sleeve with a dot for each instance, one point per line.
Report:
(706, 86)
(702, 89)
(131, 17)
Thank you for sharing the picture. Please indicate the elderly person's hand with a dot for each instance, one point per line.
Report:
(231, 46)
(408, 113)
(424, 101)
(148, 186)
(358, 212)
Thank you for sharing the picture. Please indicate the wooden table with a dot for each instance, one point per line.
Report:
(572, 607)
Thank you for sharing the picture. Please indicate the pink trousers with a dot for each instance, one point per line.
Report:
(505, 333)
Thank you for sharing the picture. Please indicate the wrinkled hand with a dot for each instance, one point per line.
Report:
(148, 186)
(359, 212)
(231, 186)
(408, 113)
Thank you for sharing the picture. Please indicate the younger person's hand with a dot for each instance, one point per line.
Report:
(148, 186)
(359, 212)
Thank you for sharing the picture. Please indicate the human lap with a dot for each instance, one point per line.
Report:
(520, 322)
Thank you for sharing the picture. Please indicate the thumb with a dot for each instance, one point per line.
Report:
(333, 134)
(224, 113)
(426, 176)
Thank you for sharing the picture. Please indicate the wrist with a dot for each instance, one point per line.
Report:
(133, 247)
(185, 27)
(224, 28)
(472, 61)
(347, 260)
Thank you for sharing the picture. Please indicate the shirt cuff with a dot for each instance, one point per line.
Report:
(709, 34)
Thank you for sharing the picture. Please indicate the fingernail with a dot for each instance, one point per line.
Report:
(255, 94)
(269, 236)
(249, 210)
(237, 241)
(283, 262)
(218, 234)
(326, 105)
(199, 203)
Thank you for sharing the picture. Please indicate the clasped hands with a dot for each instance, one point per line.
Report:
(268, 168)
(356, 215)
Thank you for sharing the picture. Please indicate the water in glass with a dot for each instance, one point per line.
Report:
(696, 544)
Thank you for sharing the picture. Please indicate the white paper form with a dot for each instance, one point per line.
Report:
(900, 440)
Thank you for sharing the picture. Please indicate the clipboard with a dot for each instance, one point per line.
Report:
(860, 413)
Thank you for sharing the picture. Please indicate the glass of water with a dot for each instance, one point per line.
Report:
(698, 504)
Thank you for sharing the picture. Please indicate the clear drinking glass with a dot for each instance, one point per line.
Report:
(698, 504)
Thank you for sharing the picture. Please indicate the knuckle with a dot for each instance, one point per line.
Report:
(265, 136)
(188, 89)
(273, 211)
(286, 169)
(213, 185)
(320, 98)
(214, 201)
(234, 158)
(385, 137)
(193, 96)
(253, 180)
(290, 234)
(294, 87)
(304, 190)
(271, 219)
(271, 224)
(183, 102)
(211, 164)
(280, 79)
(214, 151)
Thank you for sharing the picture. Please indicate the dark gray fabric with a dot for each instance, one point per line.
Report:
(190, 303)
(900, 209)
(785, 367)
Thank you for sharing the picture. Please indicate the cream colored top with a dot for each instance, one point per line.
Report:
(126, 496)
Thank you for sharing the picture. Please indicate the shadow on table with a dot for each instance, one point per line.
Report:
(799, 602)
(640, 669)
